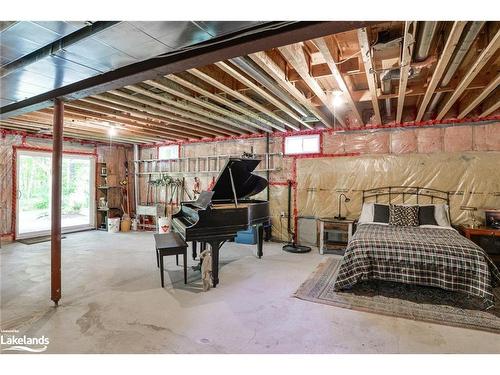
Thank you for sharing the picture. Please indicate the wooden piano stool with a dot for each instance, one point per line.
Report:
(170, 244)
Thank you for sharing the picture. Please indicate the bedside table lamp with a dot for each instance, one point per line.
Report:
(340, 217)
(471, 215)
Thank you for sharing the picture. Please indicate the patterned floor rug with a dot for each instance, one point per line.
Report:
(404, 301)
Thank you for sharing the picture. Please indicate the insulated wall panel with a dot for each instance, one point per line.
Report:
(472, 177)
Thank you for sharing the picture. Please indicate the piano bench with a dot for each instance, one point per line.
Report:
(170, 244)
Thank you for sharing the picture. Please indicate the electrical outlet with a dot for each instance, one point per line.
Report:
(282, 214)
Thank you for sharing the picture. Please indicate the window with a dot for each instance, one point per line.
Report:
(302, 144)
(168, 152)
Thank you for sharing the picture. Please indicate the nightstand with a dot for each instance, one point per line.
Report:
(487, 238)
(334, 235)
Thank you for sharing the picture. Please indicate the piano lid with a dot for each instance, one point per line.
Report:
(245, 182)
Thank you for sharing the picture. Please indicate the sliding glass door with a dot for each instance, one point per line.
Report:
(34, 172)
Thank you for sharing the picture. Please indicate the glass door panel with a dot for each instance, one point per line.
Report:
(34, 171)
(76, 191)
(33, 192)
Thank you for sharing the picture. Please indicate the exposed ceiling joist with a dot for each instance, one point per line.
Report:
(156, 109)
(478, 99)
(147, 116)
(129, 125)
(264, 94)
(188, 108)
(220, 99)
(158, 126)
(473, 71)
(183, 114)
(491, 105)
(408, 43)
(294, 54)
(446, 54)
(271, 68)
(166, 86)
(326, 47)
(366, 55)
(205, 77)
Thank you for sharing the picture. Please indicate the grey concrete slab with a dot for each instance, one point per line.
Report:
(112, 302)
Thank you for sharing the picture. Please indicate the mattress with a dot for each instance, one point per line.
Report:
(430, 256)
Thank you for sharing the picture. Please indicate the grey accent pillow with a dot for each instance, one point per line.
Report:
(426, 215)
(380, 213)
(404, 216)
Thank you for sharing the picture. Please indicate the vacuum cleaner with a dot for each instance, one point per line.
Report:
(293, 247)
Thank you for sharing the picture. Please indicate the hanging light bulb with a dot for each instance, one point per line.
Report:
(337, 99)
(112, 131)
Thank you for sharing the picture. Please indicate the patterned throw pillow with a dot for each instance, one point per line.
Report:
(405, 216)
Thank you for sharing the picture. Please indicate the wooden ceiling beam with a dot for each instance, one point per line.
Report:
(245, 99)
(409, 35)
(46, 130)
(367, 58)
(264, 94)
(294, 54)
(165, 85)
(491, 104)
(220, 127)
(446, 54)
(218, 98)
(327, 49)
(121, 124)
(70, 128)
(147, 116)
(272, 69)
(473, 71)
(172, 118)
(190, 108)
(478, 99)
(82, 122)
(154, 125)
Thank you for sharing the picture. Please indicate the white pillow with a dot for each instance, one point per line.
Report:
(441, 215)
(367, 213)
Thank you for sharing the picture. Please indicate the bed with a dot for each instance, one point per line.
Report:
(428, 255)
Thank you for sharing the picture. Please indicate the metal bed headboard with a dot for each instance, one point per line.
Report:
(391, 191)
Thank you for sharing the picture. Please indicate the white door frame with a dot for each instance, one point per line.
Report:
(92, 190)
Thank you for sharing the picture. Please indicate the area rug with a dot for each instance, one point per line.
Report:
(426, 304)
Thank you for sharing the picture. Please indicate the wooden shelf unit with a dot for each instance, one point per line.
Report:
(102, 190)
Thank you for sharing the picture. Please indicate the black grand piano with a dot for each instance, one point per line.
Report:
(217, 215)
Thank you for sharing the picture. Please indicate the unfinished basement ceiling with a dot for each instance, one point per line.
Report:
(389, 73)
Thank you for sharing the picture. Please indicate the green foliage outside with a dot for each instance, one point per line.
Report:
(34, 184)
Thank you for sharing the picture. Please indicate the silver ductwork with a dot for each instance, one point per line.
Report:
(470, 35)
(260, 76)
(426, 32)
(54, 47)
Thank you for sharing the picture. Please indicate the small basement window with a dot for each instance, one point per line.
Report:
(168, 152)
(302, 144)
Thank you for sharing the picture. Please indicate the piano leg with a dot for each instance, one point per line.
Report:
(214, 247)
(260, 240)
(195, 254)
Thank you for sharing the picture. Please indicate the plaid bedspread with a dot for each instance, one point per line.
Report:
(423, 256)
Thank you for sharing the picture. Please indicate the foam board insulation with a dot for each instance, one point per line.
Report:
(486, 137)
(472, 177)
(430, 140)
(457, 138)
(389, 149)
(403, 141)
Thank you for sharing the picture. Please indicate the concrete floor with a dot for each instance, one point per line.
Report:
(112, 303)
